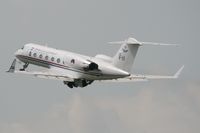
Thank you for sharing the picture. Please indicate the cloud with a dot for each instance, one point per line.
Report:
(14, 128)
(151, 110)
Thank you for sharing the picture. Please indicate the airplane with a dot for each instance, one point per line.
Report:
(76, 70)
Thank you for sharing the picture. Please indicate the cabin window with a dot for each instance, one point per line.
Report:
(52, 58)
(35, 55)
(72, 61)
(46, 57)
(30, 53)
(58, 60)
(40, 56)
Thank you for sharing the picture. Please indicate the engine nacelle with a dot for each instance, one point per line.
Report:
(93, 66)
(84, 64)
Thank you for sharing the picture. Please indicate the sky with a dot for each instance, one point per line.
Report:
(30, 105)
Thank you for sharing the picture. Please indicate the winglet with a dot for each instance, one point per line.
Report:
(176, 75)
(12, 67)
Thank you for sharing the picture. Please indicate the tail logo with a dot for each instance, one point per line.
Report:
(125, 50)
(122, 57)
(122, 54)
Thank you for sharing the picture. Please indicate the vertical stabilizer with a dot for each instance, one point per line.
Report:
(125, 56)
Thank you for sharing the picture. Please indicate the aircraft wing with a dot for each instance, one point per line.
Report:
(47, 75)
(139, 77)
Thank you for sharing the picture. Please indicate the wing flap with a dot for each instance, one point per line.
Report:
(124, 80)
(47, 75)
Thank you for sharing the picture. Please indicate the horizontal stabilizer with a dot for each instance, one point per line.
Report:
(158, 44)
(134, 41)
(128, 41)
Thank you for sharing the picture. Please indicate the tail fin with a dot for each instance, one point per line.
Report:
(125, 56)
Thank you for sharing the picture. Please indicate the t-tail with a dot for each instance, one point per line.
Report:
(125, 56)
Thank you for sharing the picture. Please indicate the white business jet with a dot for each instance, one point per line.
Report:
(77, 70)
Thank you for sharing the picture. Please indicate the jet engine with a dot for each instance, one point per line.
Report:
(92, 66)
(86, 65)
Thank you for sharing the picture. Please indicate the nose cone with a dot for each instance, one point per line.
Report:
(18, 52)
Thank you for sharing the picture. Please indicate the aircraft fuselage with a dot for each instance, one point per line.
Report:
(79, 66)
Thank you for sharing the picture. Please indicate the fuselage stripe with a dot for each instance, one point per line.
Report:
(57, 65)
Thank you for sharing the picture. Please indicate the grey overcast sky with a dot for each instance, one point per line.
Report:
(31, 105)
